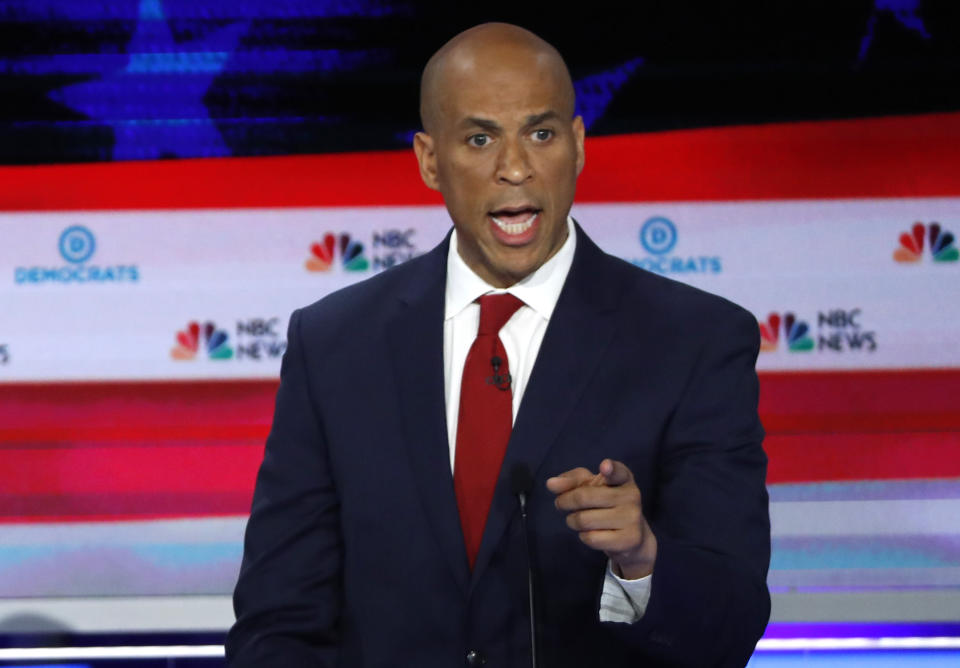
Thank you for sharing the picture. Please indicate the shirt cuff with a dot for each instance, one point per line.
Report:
(622, 600)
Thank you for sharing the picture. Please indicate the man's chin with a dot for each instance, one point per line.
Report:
(511, 270)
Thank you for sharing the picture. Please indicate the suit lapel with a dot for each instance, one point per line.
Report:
(415, 336)
(580, 329)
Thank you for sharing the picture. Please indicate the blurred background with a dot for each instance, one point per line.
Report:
(177, 176)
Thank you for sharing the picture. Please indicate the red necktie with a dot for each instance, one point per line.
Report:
(485, 419)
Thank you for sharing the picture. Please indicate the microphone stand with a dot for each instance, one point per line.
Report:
(522, 484)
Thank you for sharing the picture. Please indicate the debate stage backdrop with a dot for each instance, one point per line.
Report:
(179, 176)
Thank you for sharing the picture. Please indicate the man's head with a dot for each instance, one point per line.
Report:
(503, 147)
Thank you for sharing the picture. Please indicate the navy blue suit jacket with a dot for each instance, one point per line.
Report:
(354, 554)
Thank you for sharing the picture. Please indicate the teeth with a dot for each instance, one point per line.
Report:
(515, 228)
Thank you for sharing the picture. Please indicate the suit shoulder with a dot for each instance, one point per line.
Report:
(366, 299)
(650, 295)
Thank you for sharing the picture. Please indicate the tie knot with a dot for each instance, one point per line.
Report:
(495, 310)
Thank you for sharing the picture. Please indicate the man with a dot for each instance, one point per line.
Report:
(384, 529)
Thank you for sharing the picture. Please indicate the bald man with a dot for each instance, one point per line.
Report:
(385, 528)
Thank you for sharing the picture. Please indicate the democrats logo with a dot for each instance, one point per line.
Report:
(388, 248)
(659, 237)
(77, 245)
(838, 330)
(942, 246)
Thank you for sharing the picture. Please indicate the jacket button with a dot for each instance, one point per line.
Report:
(475, 658)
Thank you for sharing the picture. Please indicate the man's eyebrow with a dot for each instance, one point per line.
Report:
(486, 124)
(493, 126)
(540, 118)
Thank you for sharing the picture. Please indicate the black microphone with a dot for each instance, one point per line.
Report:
(521, 481)
(501, 382)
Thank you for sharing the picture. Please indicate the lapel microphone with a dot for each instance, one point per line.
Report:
(501, 382)
(521, 482)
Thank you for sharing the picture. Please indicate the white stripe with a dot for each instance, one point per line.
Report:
(121, 614)
(79, 536)
(864, 518)
(194, 264)
(145, 652)
(215, 651)
(805, 644)
(864, 578)
(885, 605)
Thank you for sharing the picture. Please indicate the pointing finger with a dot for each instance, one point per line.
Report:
(615, 473)
(569, 480)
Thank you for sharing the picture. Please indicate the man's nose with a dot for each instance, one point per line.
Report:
(513, 164)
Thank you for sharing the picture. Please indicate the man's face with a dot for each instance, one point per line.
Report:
(505, 155)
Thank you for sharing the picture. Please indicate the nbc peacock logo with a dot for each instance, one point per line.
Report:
(212, 341)
(941, 242)
(351, 254)
(797, 333)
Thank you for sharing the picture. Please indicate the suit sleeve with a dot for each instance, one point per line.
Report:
(709, 602)
(288, 597)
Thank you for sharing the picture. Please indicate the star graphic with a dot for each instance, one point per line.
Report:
(596, 92)
(155, 102)
(905, 12)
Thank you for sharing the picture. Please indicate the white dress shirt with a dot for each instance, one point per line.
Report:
(621, 600)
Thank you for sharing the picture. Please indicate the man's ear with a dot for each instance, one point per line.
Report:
(578, 135)
(427, 157)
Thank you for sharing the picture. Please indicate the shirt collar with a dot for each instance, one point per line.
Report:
(540, 290)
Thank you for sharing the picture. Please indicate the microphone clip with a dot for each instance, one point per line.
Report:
(500, 381)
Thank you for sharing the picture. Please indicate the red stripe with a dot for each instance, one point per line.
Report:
(815, 457)
(861, 425)
(80, 437)
(121, 450)
(907, 400)
(907, 156)
(860, 401)
(116, 507)
(181, 469)
(69, 413)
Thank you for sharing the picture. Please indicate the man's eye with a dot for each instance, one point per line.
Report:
(542, 135)
(478, 140)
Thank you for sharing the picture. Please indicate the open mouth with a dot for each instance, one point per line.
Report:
(515, 221)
